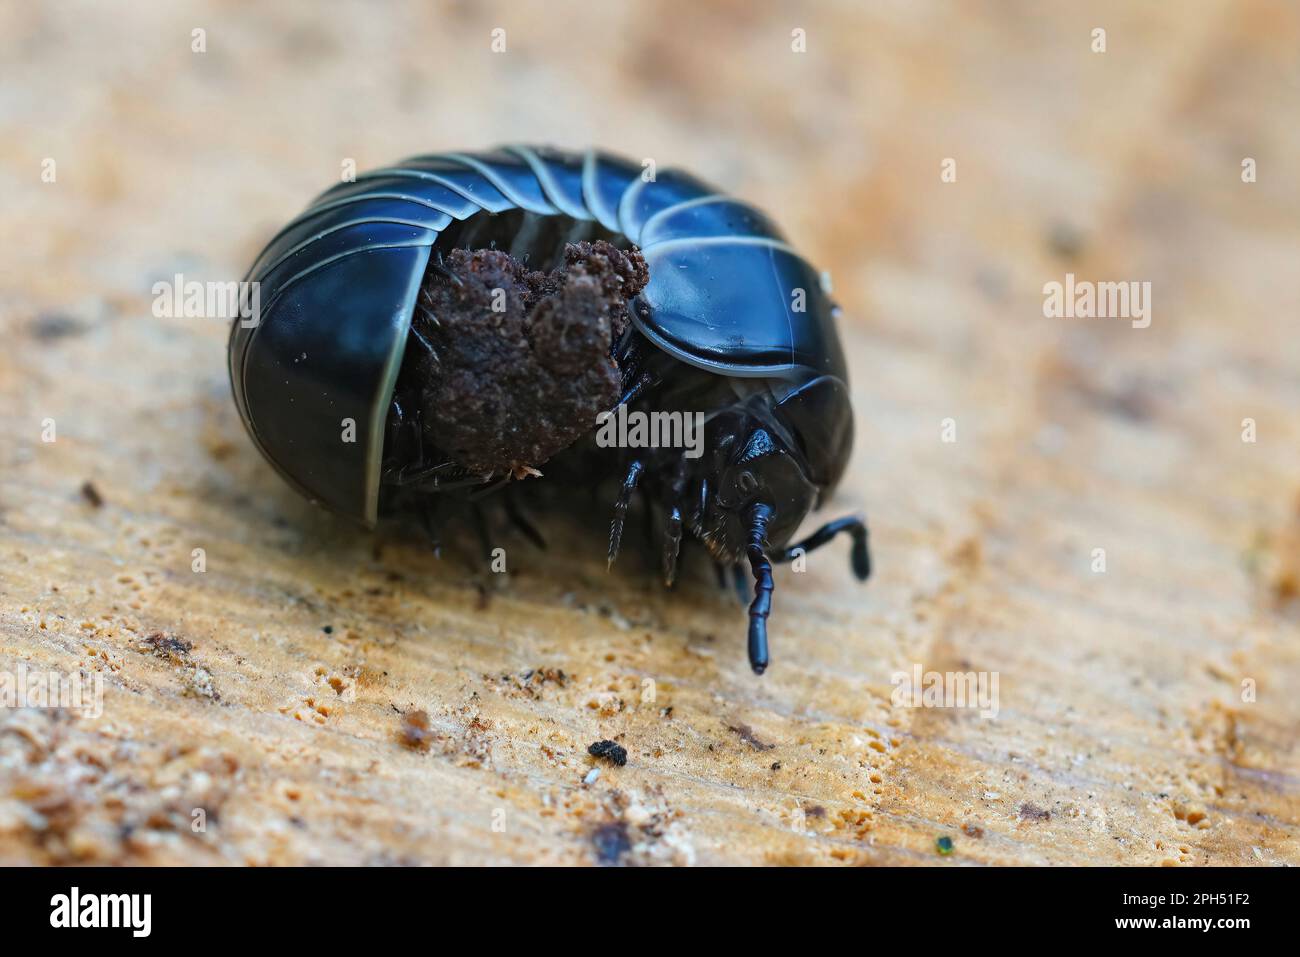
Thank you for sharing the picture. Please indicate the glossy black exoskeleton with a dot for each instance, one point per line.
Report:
(733, 324)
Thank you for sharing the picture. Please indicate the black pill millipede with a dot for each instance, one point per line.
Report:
(732, 323)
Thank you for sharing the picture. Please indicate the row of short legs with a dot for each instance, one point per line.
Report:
(756, 550)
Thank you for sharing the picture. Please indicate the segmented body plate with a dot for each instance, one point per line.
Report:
(314, 377)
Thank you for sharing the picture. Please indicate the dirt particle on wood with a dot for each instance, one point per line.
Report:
(1066, 240)
(1031, 812)
(168, 647)
(611, 752)
(611, 842)
(196, 680)
(530, 684)
(1284, 567)
(50, 326)
(91, 494)
(415, 732)
(747, 735)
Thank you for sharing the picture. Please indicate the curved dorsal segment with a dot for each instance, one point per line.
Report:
(339, 285)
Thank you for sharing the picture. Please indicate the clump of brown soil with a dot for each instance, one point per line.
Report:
(520, 364)
(416, 732)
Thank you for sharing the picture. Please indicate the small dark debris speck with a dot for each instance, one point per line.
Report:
(747, 735)
(776, 765)
(1032, 812)
(415, 733)
(55, 325)
(614, 753)
(328, 629)
(1066, 240)
(168, 647)
(611, 842)
(91, 494)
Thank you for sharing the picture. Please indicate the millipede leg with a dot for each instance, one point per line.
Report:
(672, 545)
(445, 475)
(673, 527)
(442, 269)
(620, 509)
(425, 344)
(644, 381)
(860, 557)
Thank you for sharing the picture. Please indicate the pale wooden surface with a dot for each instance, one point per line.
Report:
(1122, 736)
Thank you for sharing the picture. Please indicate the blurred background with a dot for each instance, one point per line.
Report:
(943, 161)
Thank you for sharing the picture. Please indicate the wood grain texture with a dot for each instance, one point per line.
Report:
(1121, 737)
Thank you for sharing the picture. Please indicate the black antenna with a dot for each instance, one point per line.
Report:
(759, 517)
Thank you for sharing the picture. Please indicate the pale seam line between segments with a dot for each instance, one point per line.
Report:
(374, 461)
(438, 178)
(293, 251)
(509, 192)
(279, 294)
(684, 204)
(312, 211)
(292, 280)
(549, 185)
(591, 196)
(732, 241)
(630, 193)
